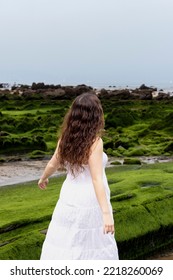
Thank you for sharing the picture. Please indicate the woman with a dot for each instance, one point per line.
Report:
(82, 225)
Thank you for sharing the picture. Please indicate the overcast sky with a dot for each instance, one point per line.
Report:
(96, 42)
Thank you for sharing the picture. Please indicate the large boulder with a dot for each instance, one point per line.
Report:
(69, 92)
(143, 94)
(144, 87)
(146, 95)
(54, 93)
(162, 95)
(72, 92)
(82, 88)
(123, 94)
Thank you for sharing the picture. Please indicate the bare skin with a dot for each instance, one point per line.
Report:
(96, 170)
(51, 168)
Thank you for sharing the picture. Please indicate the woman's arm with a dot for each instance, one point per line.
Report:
(96, 168)
(51, 168)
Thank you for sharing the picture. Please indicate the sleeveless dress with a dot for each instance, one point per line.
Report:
(76, 228)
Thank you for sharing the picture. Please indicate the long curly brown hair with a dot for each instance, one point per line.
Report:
(83, 123)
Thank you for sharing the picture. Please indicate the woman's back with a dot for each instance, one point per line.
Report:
(79, 190)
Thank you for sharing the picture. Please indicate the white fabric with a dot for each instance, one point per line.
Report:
(76, 229)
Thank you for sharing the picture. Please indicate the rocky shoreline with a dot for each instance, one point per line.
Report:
(43, 91)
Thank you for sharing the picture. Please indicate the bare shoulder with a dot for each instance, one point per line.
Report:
(97, 145)
(96, 156)
(57, 146)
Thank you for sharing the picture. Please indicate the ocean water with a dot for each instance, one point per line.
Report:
(159, 85)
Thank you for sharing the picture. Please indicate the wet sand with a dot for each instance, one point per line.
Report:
(22, 171)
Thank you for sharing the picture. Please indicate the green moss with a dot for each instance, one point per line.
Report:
(11, 144)
(124, 196)
(109, 151)
(169, 147)
(129, 125)
(150, 184)
(138, 151)
(131, 161)
(121, 150)
(18, 248)
(115, 153)
(116, 162)
(142, 201)
(135, 221)
(119, 117)
(37, 154)
(2, 159)
(162, 211)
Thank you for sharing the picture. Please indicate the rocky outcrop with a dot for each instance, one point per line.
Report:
(161, 95)
(144, 87)
(143, 94)
(126, 94)
(59, 92)
(42, 91)
(54, 94)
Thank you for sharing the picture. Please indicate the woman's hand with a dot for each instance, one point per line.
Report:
(108, 223)
(43, 183)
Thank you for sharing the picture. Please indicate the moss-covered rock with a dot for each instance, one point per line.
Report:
(37, 154)
(139, 151)
(143, 215)
(133, 127)
(169, 147)
(2, 160)
(131, 161)
(119, 117)
(116, 162)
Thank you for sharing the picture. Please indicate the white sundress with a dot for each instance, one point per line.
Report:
(76, 228)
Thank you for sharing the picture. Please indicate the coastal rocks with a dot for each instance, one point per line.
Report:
(64, 92)
(126, 94)
(41, 91)
(144, 87)
(142, 94)
(146, 95)
(36, 86)
(4, 94)
(122, 94)
(82, 88)
(72, 92)
(54, 94)
(132, 161)
(162, 95)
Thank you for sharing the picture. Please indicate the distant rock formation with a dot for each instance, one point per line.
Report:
(143, 87)
(42, 91)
